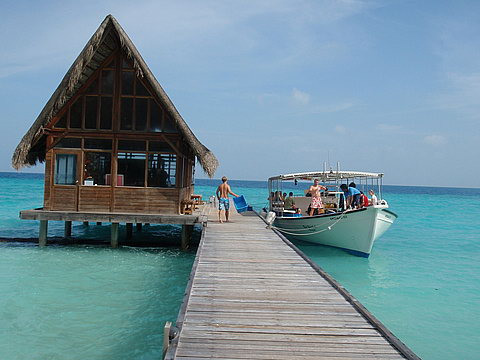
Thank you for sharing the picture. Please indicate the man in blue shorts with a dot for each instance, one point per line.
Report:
(223, 202)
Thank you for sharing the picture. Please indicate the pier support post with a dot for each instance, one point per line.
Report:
(99, 223)
(186, 236)
(42, 235)
(114, 235)
(85, 223)
(129, 227)
(139, 226)
(68, 229)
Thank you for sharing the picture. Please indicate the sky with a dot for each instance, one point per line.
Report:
(279, 86)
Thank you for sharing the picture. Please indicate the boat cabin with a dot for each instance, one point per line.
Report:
(332, 199)
(110, 137)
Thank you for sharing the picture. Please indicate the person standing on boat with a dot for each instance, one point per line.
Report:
(373, 200)
(223, 202)
(316, 202)
(351, 195)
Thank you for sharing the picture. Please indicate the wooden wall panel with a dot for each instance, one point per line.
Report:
(48, 180)
(64, 198)
(146, 200)
(94, 198)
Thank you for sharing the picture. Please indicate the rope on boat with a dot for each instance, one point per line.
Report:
(329, 227)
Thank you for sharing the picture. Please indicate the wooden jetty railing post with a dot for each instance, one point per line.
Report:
(114, 235)
(68, 229)
(166, 336)
(42, 236)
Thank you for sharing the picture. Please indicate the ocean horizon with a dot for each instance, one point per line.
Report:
(421, 280)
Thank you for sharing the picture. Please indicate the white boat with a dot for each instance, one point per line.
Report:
(353, 229)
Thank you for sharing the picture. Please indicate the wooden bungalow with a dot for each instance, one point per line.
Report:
(111, 139)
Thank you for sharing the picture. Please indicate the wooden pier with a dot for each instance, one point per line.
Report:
(44, 216)
(253, 295)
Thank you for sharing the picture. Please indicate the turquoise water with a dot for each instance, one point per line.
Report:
(422, 279)
(77, 302)
(81, 302)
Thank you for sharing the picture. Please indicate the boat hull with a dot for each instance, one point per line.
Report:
(355, 231)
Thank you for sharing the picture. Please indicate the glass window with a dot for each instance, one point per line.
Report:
(126, 114)
(140, 89)
(97, 167)
(125, 64)
(69, 143)
(93, 88)
(169, 126)
(159, 146)
(100, 144)
(127, 82)
(111, 64)
(162, 170)
(156, 114)
(141, 112)
(106, 113)
(107, 81)
(62, 123)
(66, 169)
(132, 167)
(76, 114)
(91, 112)
(137, 145)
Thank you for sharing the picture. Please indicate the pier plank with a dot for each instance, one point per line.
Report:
(251, 296)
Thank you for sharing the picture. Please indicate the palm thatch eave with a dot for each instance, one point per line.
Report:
(24, 154)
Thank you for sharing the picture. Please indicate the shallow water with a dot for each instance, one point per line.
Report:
(422, 279)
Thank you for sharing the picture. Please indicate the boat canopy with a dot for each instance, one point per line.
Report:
(326, 176)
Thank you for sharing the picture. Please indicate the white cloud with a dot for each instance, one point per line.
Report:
(435, 140)
(300, 97)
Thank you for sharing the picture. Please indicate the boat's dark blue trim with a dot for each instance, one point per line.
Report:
(355, 252)
(390, 212)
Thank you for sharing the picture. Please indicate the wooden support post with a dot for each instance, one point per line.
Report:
(186, 236)
(68, 229)
(99, 223)
(139, 226)
(42, 236)
(129, 230)
(85, 223)
(166, 336)
(114, 235)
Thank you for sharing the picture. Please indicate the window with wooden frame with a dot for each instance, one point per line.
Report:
(93, 108)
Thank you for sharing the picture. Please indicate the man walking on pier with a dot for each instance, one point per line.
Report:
(222, 195)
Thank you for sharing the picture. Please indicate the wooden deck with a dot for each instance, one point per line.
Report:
(253, 296)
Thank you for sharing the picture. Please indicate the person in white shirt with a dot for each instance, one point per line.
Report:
(373, 199)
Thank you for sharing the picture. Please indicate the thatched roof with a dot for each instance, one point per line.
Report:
(103, 42)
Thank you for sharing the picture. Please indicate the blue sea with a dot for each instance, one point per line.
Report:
(422, 279)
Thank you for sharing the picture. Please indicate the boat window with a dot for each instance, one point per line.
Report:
(66, 169)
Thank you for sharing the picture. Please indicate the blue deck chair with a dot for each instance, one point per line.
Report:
(241, 204)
